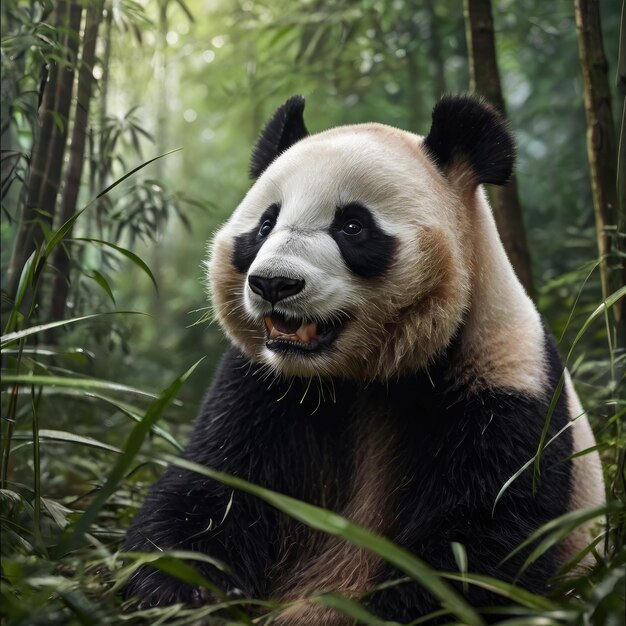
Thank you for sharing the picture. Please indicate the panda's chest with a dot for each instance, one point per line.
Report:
(354, 472)
(354, 453)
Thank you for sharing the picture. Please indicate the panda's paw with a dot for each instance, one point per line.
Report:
(152, 588)
(185, 594)
(201, 596)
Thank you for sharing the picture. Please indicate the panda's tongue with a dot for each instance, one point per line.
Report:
(293, 330)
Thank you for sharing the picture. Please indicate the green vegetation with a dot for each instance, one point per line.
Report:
(126, 130)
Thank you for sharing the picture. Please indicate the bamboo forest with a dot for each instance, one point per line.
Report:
(127, 133)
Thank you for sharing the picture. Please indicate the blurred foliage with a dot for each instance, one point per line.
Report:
(203, 75)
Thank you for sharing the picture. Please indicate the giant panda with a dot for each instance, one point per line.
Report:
(385, 363)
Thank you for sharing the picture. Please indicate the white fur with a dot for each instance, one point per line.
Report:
(587, 481)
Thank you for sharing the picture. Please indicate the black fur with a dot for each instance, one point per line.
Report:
(465, 127)
(368, 253)
(453, 452)
(284, 129)
(247, 246)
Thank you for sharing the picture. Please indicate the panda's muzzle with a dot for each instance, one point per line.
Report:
(283, 334)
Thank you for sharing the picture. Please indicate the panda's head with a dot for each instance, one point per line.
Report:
(351, 255)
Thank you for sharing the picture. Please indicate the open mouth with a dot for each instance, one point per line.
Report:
(285, 334)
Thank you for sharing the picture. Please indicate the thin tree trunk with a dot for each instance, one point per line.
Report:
(414, 78)
(621, 166)
(52, 178)
(102, 180)
(48, 147)
(601, 144)
(485, 81)
(415, 99)
(434, 52)
(74, 171)
(99, 178)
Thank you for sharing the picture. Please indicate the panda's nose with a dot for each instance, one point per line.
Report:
(276, 288)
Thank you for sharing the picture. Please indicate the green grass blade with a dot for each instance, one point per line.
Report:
(546, 427)
(130, 410)
(133, 444)
(73, 383)
(63, 436)
(558, 528)
(528, 463)
(600, 310)
(333, 524)
(21, 288)
(10, 337)
(506, 590)
(460, 556)
(527, 620)
(351, 608)
(135, 413)
(176, 563)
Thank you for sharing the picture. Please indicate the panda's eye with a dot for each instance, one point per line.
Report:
(266, 228)
(352, 227)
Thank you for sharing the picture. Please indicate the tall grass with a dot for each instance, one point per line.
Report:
(78, 452)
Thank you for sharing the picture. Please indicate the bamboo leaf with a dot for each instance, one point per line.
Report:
(133, 444)
(333, 524)
(504, 589)
(127, 253)
(61, 233)
(460, 556)
(558, 528)
(350, 608)
(602, 308)
(10, 337)
(74, 383)
(135, 413)
(133, 171)
(102, 281)
(528, 463)
(67, 437)
(185, 10)
(25, 278)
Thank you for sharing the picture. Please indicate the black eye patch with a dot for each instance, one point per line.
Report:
(248, 244)
(364, 246)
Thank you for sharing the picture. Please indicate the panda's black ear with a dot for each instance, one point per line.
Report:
(284, 129)
(469, 134)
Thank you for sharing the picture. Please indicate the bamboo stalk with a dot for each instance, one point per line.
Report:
(601, 143)
(485, 81)
(74, 171)
(48, 147)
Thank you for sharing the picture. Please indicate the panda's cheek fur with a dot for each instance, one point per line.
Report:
(432, 293)
(226, 287)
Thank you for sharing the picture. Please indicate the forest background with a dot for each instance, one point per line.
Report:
(144, 114)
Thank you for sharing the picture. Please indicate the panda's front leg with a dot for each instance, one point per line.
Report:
(186, 512)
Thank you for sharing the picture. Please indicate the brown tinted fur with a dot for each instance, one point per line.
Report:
(327, 563)
(227, 287)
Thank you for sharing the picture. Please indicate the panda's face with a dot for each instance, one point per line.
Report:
(344, 259)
